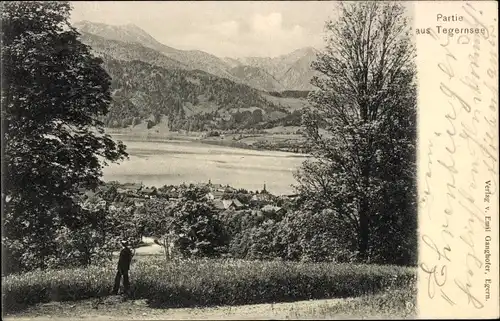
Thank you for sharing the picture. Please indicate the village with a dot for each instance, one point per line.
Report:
(131, 196)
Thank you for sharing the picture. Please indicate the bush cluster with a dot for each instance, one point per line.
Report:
(295, 235)
(81, 245)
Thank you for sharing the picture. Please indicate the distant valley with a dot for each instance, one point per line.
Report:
(154, 84)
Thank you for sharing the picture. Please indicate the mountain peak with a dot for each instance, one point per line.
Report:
(126, 33)
(301, 52)
(293, 70)
(131, 26)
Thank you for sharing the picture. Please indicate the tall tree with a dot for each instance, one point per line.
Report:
(361, 130)
(53, 95)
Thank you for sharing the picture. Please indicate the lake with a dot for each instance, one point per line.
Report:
(173, 162)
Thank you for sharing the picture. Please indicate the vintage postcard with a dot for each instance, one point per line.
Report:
(167, 160)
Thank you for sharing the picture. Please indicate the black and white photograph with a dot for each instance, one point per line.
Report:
(168, 160)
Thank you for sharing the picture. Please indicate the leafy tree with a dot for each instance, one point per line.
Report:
(263, 241)
(88, 244)
(364, 164)
(315, 236)
(152, 216)
(53, 93)
(190, 222)
(200, 232)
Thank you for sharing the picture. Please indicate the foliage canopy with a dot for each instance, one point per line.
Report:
(53, 93)
(364, 165)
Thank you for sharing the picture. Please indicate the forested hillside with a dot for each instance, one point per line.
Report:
(189, 90)
(190, 100)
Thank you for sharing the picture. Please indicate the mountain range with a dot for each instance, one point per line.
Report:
(192, 89)
(287, 72)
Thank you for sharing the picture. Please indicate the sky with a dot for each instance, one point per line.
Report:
(223, 28)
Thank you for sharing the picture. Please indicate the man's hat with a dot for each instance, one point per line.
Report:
(124, 242)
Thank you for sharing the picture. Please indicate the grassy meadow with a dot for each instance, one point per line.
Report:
(222, 282)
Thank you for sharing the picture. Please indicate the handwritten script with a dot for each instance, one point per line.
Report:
(459, 161)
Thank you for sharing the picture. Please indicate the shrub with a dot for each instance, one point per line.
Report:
(208, 282)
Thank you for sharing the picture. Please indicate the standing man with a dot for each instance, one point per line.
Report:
(123, 267)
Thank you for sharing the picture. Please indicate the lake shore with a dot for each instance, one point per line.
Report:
(175, 160)
(287, 139)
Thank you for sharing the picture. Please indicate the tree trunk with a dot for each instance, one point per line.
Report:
(364, 215)
(364, 230)
(165, 247)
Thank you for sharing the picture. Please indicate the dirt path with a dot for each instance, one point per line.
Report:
(138, 310)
